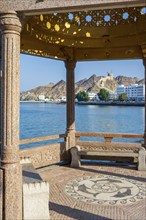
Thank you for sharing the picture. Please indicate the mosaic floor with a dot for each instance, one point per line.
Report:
(105, 189)
(96, 193)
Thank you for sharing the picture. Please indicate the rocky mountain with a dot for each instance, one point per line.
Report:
(93, 84)
(43, 90)
(89, 85)
(53, 91)
(58, 90)
(142, 81)
(126, 80)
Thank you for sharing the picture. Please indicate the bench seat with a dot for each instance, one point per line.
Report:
(108, 153)
(111, 150)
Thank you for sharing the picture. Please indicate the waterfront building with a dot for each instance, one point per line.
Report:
(69, 31)
(134, 91)
(131, 91)
(63, 98)
(92, 95)
(41, 98)
(140, 92)
(120, 90)
(113, 95)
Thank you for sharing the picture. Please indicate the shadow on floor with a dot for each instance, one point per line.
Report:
(73, 213)
(31, 177)
(96, 171)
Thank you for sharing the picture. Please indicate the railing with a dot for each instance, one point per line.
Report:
(45, 138)
(108, 137)
(108, 150)
(44, 155)
(52, 153)
(109, 147)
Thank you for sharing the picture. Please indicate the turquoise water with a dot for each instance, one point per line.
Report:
(43, 119)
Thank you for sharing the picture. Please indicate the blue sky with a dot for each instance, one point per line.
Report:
(36, 71)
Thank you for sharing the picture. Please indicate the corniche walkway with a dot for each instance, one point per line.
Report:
(96, 192)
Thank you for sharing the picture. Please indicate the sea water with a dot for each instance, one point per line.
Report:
(44, 119)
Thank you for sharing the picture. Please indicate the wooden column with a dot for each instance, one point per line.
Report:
(0, 107)
(144, 63)
(143, 48)
(10, 27)
(70, 93)
(1, 173)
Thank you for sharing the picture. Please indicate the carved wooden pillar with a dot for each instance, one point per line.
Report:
(144, 63)
(143, 47)
(70, 93)
(10, 27)
(0, 106)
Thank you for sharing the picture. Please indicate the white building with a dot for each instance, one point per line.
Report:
(135, 91)
(120, 90)
(92, 95)
(131, 91)
(41, 98)
(63, 98)
(113, 95)
(141, 92)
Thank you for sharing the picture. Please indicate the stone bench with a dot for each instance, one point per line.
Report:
(35, 193)
(110, 150)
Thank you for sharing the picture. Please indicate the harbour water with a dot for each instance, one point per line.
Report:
(43, 119)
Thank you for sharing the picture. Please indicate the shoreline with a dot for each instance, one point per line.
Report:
(141, 104)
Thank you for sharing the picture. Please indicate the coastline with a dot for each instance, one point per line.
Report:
(141, 104)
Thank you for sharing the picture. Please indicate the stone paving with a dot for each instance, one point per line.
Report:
(94, 192)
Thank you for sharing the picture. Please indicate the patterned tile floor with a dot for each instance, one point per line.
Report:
(95, 192)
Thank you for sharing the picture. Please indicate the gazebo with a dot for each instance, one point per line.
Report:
(70, 31)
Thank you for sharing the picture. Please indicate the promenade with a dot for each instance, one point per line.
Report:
(110, 103)
(95, 192)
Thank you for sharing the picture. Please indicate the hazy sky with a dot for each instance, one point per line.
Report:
(36, 71)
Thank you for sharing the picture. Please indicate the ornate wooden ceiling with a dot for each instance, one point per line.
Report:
(86, 35)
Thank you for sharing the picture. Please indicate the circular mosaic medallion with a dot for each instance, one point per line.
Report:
(105, 189)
